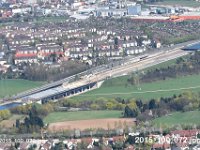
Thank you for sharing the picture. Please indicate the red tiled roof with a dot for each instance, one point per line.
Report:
(158, 145)
(185, 133)
(87, 140)
(118, 138)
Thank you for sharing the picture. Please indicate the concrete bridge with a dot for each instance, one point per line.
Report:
(91, 79)
(71, 92)
(60, 92)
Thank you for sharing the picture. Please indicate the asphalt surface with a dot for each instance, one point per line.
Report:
(130, 66)
(127, 65)
(133, 66)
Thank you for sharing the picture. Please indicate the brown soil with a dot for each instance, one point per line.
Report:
(91, 124)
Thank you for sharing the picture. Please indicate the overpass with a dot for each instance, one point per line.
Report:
(89, 82)
(91, 78)
(59, 92)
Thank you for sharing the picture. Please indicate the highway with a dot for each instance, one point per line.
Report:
(127, 65)
(133, 66)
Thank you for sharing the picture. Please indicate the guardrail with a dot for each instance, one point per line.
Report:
(97, 69)
(57, 83)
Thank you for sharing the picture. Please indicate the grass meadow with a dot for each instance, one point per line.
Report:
(81, 115)
(177, 118)
(9, 87)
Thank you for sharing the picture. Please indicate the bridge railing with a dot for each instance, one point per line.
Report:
(93, 70)
(59, 82)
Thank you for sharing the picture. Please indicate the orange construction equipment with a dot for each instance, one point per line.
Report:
(191, 17)
(174, 17)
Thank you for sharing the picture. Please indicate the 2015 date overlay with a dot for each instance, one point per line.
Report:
(163, 139)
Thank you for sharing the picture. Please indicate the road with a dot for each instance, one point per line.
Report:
(127, 67)
(114, 69)
(132, 66)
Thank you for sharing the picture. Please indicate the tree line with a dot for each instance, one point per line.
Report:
(36, 72)
(131, 108)
(187, 101)
(42, 110)
(138, 108)
(182, 67)
(42, 72)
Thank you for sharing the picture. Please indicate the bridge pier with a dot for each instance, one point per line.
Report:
(72, 92)
(68, 93)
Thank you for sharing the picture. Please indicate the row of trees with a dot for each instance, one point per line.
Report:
(105, 104)
(187, 101)
(138, 108)
(182, 39)
(40, 72)
(99, 104)
(42, 110)
(142, 110)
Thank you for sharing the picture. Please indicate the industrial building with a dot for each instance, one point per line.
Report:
(134, 9)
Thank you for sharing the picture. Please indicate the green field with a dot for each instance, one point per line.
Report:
(81, 115)
(10, 87)
(164, 64)
(186, 118)
(187, 3)
(117, 87)
(53, 19)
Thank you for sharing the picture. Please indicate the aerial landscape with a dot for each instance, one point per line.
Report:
(99, 74)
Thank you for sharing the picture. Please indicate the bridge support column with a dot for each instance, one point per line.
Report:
(73, 92)
(83, 89)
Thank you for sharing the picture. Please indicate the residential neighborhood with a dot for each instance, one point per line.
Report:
(177, 139)
(86, 30)
(34, 44)
(99, 74)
